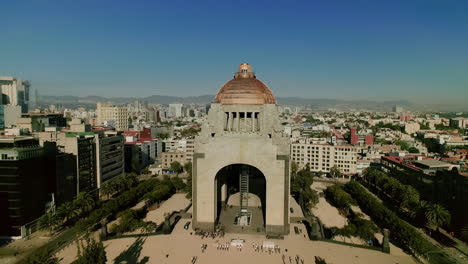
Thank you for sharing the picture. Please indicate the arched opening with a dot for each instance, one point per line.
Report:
(240, 195)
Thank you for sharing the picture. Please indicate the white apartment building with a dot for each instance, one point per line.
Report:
(118, 115)
(185, 146)
(322, 157)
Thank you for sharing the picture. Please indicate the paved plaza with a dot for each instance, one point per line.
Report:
(182, 245)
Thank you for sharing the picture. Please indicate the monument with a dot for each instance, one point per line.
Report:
(241, 165)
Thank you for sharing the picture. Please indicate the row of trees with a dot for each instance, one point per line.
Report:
(130, 220)
(68, 213)
(118, 184)
(403, 232)
(408, 199)
(301, 182)
(87, 215)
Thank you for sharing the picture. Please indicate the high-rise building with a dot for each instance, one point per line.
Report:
(397, 109)
(15, 92)
(111, 114)
(23, 183)
(176, 110)
(109, 156)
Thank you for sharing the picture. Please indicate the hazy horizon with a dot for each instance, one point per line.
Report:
(361, 50)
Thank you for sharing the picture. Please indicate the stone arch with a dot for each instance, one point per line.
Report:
(226, 184)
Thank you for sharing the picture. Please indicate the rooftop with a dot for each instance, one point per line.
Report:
(431, 163)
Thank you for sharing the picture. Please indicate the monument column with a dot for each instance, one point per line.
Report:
(253, 121)
(230, 121)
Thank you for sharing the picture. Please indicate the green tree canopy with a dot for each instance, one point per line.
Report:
(91, 251)
(176, 166)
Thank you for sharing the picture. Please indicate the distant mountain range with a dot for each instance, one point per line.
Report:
(90, 102)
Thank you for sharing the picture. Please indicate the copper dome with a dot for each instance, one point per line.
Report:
(244, 89)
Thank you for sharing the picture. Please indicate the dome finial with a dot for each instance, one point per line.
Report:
(245, 71)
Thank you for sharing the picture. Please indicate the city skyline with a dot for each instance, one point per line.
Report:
(388, 51)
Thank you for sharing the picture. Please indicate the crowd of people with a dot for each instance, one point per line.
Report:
(261, 248)
(213, 235)
(223, 246)
(298, 260)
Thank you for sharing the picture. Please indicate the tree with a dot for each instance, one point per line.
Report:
(188, 183)
(301, 188)
(339, 198)
(49, 221)
(335, 172)
(107, 189)
(176, 166)
(188, 168)
(85, 202)
(436, 215)
(413, 150)
(294, 168)
(408, 197)
(149, 227)
(67, 211)
(403, 145)
(91, 251)
(177, 183)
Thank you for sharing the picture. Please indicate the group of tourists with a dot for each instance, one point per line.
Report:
(298, 260)
(261, 248)
(194, 259)
(213, 235)
(223, 246)
(203, 248)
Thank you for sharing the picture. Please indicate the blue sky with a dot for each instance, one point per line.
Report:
(378, 50)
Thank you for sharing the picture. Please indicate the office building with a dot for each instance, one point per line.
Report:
(24, 192)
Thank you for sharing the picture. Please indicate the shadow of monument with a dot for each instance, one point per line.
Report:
(132, 254)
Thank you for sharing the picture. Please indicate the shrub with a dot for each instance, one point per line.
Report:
(336, 196)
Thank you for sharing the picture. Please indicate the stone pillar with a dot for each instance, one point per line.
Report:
(245, 122)
(385, 243)
(238, 121)
(253, 121)
(223, 194)
(259, 122)
(104, 232)
(230, 116)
